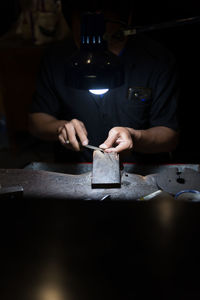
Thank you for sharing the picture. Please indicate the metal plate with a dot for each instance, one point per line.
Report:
(173, 181)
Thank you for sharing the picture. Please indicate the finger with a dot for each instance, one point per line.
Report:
(64, 142)
(71, 133)
(124, 142)
(62, 139)
(63, 133)
(84, 129)
(110, 141)
(119, 140)
(59, 129)
(121, 147)
(81, 132)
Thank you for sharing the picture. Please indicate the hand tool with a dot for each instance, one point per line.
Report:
(93, 147)
(89, 147)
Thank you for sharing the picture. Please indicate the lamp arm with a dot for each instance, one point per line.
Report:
(141, 29)
(160, 26)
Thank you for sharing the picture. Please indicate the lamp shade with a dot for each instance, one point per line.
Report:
(93, 66)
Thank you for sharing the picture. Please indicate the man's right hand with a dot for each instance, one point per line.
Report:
(73, 134)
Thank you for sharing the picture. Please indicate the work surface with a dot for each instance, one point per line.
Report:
(57, 249)
(136, 181)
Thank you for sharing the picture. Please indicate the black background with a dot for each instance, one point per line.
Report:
(183, 42)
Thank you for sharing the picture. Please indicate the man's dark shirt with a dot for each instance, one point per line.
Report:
(148, 98)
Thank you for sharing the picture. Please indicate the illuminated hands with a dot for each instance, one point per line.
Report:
(119, 139)
(72, 134)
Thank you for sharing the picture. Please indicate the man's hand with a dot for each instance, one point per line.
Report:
(72, 134)
(119, 139)
(153, 140)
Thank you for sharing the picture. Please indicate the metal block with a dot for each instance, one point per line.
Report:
(106, 170)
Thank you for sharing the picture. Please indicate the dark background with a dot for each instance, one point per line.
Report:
(9, 11)
(182, 41)
(184, 44)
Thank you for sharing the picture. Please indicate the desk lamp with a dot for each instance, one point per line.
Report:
(93, 67)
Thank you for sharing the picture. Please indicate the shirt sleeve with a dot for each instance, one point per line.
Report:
(165, 97)
(45, 98)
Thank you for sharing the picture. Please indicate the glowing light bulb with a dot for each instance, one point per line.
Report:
(99, 91)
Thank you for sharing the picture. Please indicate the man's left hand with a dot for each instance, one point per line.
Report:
(119, 139)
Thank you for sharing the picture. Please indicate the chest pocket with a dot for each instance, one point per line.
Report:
(138, 106)
(139, 94)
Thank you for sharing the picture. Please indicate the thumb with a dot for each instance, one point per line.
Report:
(112, 137)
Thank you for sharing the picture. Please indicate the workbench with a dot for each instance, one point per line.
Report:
(73, 181)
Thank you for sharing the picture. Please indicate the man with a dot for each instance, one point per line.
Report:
(137, 120)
